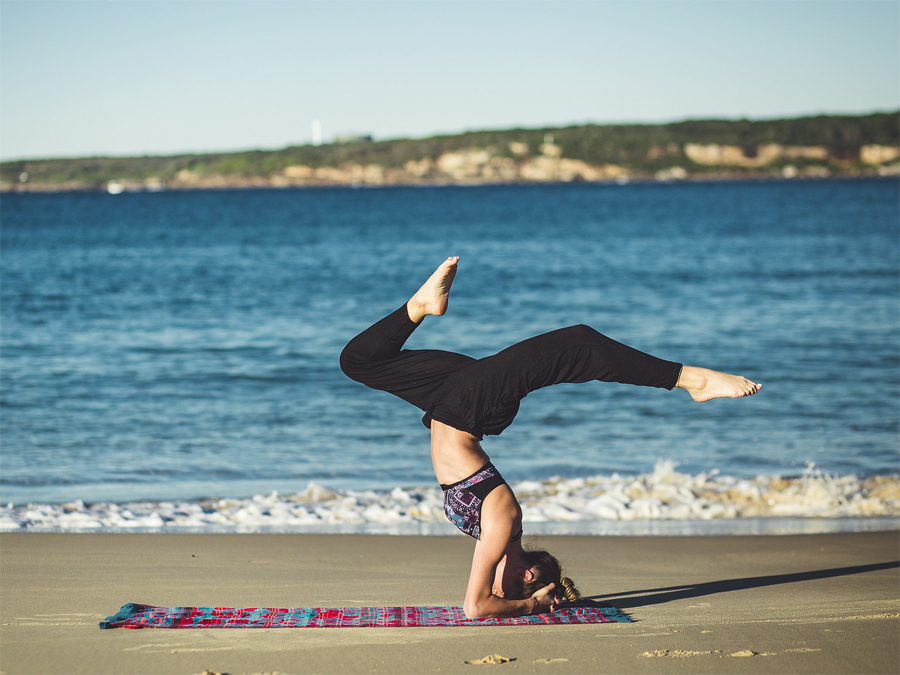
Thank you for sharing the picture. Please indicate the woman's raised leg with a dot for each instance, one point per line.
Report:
(376, 357)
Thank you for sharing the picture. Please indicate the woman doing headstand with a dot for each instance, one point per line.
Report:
(465, 399)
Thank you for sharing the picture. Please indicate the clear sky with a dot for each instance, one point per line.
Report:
(146, 77)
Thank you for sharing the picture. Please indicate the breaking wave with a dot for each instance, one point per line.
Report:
(555, 506)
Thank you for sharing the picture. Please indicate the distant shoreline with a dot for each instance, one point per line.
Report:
(37, 188)
(723, 150)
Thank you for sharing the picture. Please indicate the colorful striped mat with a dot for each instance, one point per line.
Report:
(134, 615)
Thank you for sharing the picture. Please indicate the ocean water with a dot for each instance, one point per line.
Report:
(182, 347)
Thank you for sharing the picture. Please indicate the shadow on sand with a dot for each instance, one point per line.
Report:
(658, 596)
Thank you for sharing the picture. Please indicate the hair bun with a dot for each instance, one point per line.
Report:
(569, 591)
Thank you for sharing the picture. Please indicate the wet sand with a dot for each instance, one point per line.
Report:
(798, 604)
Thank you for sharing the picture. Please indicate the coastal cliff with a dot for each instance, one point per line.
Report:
(711, 149)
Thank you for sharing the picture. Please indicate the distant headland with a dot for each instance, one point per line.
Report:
(821, 146)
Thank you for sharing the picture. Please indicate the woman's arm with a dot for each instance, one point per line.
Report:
(481, 602)
(500, 514)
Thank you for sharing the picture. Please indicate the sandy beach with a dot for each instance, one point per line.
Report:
(798, 604)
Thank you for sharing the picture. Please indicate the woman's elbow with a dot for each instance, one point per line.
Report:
(473, 610)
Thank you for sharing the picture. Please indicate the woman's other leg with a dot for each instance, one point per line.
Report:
(576, 354)
(487, 393)
(582, 354)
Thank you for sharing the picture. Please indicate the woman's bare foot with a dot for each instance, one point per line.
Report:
(703, 384)
(434, 295)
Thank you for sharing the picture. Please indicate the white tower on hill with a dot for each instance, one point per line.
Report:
(316, 132)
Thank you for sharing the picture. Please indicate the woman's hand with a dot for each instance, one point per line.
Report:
(545, 600)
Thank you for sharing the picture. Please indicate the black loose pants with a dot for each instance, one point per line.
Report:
(481, 396)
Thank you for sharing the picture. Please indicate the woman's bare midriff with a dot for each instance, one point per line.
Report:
(455, 454)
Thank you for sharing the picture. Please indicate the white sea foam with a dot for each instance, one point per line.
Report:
(558, 505)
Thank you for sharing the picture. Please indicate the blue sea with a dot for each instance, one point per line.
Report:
(184, 345)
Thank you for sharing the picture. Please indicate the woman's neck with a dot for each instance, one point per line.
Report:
(515, 554)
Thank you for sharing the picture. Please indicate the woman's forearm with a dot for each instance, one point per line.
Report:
(495, 606)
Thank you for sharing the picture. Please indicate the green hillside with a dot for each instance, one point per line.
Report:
(635, 150)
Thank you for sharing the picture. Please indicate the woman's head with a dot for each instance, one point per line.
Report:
(545, 570)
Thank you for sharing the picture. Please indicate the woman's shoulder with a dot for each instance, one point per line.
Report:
(501, 512)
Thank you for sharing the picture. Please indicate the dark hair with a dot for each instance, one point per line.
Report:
(547, 570)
